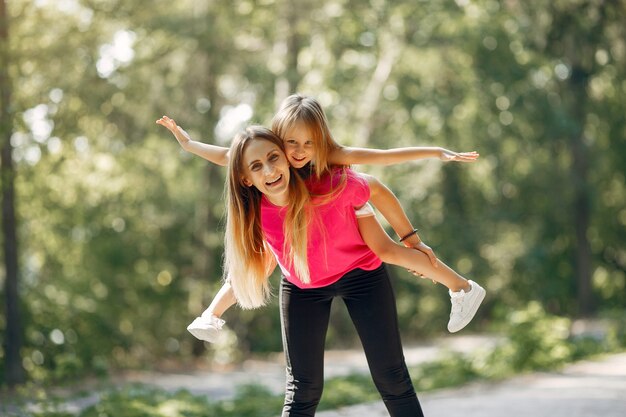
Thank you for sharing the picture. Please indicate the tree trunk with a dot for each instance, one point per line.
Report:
(289, 41)
(582, 198)
(390, 49)
(579, 51)
(14, 369)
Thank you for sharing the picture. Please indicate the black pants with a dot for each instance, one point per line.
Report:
(371, 304)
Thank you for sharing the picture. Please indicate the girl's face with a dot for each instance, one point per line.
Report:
(299, 145)
(266, 168)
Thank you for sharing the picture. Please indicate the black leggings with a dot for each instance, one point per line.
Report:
(371, 303)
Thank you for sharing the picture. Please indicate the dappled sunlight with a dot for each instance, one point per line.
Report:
(120, 230)
(232, 120)
(116, 54)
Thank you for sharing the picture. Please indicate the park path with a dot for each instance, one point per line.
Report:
(271, 373)
(585, 389)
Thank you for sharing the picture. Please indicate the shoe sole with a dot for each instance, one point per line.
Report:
(473, 310)
(206, 335)
(203, 331)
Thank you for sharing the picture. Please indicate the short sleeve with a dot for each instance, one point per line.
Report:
(358, 188)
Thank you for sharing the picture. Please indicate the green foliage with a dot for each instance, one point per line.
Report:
(348, 390)
(145, 401)
(451, 370)
(142, 401)
(533, 340)
(536, 340)
(121, 233)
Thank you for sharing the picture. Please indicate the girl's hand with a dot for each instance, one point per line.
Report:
(181, 136)
(447, 156)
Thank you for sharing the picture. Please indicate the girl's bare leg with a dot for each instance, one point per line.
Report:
(391, 252)
(207, 327)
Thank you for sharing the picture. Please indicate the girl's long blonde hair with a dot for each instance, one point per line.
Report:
(306, 110)
(248, 259)
(297, 109)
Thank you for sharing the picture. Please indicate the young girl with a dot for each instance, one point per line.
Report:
(272, 218)
(311, 149)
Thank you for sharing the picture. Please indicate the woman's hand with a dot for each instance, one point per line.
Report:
(427, 250)
(447, 156)
(179, 133)
(422, 247)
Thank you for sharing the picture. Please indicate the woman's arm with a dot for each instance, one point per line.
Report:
(212, 153)
(355, 156)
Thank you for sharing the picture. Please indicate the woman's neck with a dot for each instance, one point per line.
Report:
(278, 201)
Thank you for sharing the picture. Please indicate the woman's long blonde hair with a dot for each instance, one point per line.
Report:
(248, 259)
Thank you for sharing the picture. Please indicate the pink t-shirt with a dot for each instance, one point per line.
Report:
(335, 246)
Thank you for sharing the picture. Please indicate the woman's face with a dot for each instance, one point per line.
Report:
(266, 168)
(299, 145)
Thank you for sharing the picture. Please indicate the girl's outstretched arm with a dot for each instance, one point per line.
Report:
(354, 156)
(212, 153)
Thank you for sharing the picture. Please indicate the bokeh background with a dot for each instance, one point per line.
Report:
(119, 233)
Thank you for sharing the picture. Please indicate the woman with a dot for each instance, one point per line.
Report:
(273, 219)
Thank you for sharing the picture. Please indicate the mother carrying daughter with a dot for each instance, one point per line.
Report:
(312, 151)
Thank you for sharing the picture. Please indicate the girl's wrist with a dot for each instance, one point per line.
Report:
(185, 144)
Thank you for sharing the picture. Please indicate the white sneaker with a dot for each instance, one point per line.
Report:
(206, 328)
(464, 306)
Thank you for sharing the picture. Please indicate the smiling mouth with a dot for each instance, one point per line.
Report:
(299, 159)
(270, 183)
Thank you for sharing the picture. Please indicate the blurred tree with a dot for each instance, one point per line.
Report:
(287, 46)
(13, 341)
(578, 39)
(120, 232)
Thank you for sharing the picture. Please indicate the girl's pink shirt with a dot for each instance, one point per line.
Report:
(335, 246)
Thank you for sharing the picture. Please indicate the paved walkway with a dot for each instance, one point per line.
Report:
(584, 389)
